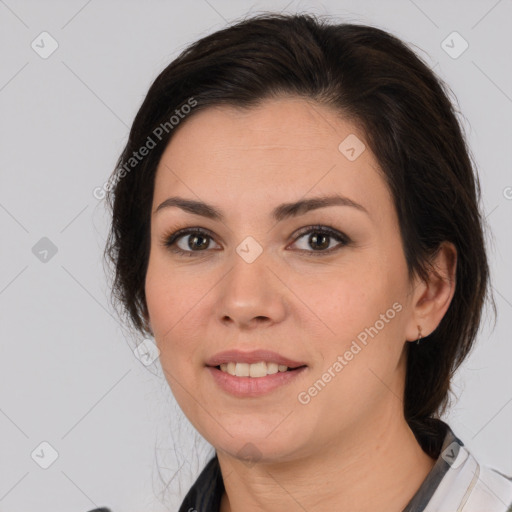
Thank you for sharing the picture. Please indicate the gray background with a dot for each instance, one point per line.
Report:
(69, 376)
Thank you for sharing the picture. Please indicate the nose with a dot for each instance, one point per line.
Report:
(252, 295)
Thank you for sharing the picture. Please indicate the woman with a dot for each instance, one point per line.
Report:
(296, 222)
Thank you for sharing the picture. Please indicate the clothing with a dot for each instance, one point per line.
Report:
(456, 483)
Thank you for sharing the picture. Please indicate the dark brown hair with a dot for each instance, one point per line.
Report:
(370, 78)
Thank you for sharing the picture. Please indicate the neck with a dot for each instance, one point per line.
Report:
(379, 467)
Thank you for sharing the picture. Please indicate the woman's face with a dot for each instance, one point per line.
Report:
(325, 288)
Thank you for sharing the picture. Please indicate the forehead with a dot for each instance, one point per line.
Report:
(283, 149)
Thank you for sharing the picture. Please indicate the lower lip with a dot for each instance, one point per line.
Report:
(253, 386)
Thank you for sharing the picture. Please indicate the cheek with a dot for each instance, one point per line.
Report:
(169, 302)
(367, 317)
(364, 309)
(161, 306)
(349, 298)
(178, 311)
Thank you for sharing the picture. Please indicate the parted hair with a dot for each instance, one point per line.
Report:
(404, 111)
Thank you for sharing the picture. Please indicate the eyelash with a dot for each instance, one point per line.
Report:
(170, 240)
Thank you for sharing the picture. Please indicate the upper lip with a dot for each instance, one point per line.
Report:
(253, 356)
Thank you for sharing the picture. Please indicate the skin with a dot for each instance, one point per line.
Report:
(350, 447)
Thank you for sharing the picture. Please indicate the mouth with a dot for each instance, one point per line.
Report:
(253, 374)
(252, 387)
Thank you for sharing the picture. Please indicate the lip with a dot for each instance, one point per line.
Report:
(253, 356)
(247, 387)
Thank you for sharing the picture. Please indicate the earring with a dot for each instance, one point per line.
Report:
(419, 335)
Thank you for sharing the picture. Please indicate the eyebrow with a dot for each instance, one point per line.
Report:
(281, 212)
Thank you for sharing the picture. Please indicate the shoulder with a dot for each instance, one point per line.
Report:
(471, 486)
(492, 490)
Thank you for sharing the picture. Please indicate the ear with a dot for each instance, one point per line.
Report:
(432, 298)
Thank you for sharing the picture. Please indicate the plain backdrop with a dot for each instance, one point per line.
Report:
(73, 395)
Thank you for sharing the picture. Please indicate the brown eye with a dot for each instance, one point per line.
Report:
(188, 241)
(320, 239)
(197, 241)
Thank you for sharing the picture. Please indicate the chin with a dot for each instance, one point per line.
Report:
(254, 446)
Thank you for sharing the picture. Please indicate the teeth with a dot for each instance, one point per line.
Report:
(242, 370)
(257, 369)
(272, 368)
(261, 369)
